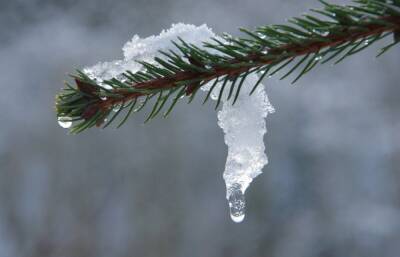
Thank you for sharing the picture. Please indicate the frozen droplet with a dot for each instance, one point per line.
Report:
(64, 122)
(237, 203)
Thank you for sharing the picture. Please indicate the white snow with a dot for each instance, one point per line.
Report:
(145, 49)
(243, 124)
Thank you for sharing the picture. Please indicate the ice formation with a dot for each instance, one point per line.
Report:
(244, 128)
(243, 123)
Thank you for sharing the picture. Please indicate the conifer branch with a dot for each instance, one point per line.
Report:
(332, 34)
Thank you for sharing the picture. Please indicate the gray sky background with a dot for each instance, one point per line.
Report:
(331, 188)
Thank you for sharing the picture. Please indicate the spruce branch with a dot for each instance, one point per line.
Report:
(332, 33)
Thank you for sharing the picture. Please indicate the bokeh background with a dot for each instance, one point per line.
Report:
(331, 189)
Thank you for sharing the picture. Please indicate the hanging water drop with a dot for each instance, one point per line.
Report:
(64, 122)
(237, 203)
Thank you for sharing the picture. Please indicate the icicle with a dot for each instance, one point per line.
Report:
(243, 124)
(244, 127)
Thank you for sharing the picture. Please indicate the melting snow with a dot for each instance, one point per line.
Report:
(243, 124)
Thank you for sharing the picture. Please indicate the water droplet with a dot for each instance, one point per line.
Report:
(237, 203)
(116, 108)
(323, 33)
(366, 42)
(262, 36)
(64, 122)
(264, 51)
(105, 86)
(103, 98)
(318, 58)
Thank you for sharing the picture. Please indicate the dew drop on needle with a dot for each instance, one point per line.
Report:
(64, 122)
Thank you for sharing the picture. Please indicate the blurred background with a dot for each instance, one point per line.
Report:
(331, 189)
